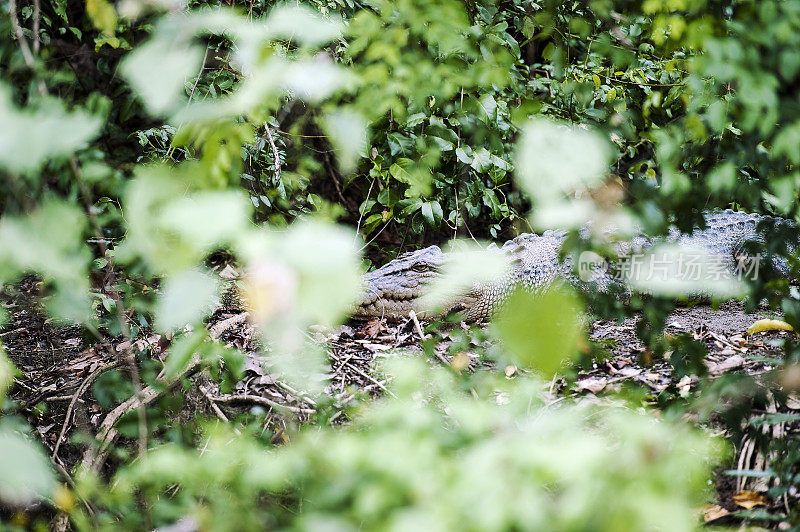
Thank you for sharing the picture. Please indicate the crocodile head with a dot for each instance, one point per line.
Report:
(395, 289)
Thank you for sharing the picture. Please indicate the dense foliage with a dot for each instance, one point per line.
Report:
(138, 138)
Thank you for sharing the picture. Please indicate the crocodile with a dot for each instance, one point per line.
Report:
(535, 263)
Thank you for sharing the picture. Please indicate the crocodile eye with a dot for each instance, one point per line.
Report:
(420, 268)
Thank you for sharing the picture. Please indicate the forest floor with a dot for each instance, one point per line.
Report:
(58, 365)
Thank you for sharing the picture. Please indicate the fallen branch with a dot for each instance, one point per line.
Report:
(222, 326)
(248, 398)
(95, 456)
(220, 414)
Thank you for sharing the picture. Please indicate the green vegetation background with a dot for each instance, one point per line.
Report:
(158, 133)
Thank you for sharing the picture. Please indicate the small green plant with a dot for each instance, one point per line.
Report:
(432, 457)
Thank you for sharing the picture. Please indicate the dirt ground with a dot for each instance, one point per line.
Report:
(58, 364)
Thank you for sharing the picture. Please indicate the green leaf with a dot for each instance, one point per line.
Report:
(159, 68)
(490, 200)
(31, 136)
(462, 156)
(181, 352)
(541, 331)
(399, 172)
(60, 7)
(347, 132)
(301, 23)
(432, 212)
(413, 205)
(488, 105)
(482, 160)
(528, 27)
(415, 119)
(27, 476)
(185, 299)
(103, 16)
(444, 145)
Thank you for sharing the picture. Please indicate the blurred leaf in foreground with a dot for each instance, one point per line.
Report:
(541, 331)
(49, 242)
(347, 132)
(676, 271)
(185, 299)
(103, 16)
(467, 265)
(30, 136)
(557, 164)
(7, 372)
(303, 24)
(26, 471)
(171, 227)
(158, 69)
(413, 462)
(307, 275)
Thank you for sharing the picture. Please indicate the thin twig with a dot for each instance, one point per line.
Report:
(332, 172)
(199, 75)
(371, 379)
(300, 395)
(77, 395)
(62, 523)
(417, 326)
(361, 213)
(282, 132)
(275, 155)
(220, 414)
(23, 43)
(249, 398)
(376, 235)
(127, 354)
(36, 16)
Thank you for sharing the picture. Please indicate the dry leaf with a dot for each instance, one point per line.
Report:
(372, 328)
(749, 499)
(793, 402)
(712, 512)
(592, 384)
(736, 361)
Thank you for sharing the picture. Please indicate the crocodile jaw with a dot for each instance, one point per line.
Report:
(395, 289)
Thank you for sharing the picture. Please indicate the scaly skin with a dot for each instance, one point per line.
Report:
(396, 288)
